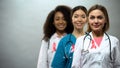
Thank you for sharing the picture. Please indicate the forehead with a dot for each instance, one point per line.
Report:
(96, 13)
(58, 14)
(79, 12)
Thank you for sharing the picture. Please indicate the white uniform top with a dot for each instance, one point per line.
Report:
(47, 51)
(98, 57)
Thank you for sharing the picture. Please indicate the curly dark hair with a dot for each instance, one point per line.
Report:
(49, 29)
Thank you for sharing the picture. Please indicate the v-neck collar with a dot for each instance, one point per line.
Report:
(101, 46)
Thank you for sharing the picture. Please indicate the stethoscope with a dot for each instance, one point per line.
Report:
(86, 51)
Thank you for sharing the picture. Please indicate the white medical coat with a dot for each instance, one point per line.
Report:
(46, 52)
(99, 57)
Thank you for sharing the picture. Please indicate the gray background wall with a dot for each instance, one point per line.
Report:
(21, 23)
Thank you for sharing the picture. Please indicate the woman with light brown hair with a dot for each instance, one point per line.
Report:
(97, 49)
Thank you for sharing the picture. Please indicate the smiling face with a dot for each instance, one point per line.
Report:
(79, 19)
(59, 21)
(96, 20)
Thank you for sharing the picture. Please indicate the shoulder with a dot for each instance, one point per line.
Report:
(44, 44)
(43, 41)
(66, 37)
(80, 40)
(54, 36)
(81, 37)
(113, 38)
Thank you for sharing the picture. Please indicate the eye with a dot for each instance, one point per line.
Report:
(75, 16)
(83, 16)
(100, 17)
(92, 17)
(56, 19)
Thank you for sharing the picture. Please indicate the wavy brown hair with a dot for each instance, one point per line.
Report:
(104, 10)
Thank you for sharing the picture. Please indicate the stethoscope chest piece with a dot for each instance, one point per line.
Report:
(84, 52)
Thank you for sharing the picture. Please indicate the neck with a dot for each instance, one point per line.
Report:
(97, 34)
(60, 33)
(78, 33)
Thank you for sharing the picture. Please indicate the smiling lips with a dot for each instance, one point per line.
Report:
(96, 26)
(61, 26)
(79, 24)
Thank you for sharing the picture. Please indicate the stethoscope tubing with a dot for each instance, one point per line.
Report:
(87, 34)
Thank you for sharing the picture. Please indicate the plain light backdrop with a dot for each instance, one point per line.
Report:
(21, 27)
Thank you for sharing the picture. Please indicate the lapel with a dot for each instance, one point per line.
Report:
(87, 42)
(103, 45)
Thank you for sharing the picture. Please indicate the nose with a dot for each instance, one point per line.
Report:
(79, 19)
(61, 20)
(96, 20)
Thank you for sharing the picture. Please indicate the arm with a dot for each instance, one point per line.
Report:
(59, 58)
(42, 59)
(116, 55)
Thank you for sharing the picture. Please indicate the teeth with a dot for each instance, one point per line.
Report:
(61, 26)
(79, 24)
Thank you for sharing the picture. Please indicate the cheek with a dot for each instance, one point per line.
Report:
(85, 20)
(90, 22)
(102, 23)
(55, 22)
(73, 20)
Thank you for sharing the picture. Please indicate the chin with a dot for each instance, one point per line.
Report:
(97, 30)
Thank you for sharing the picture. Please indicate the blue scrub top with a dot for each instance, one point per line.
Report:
(64, 53)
